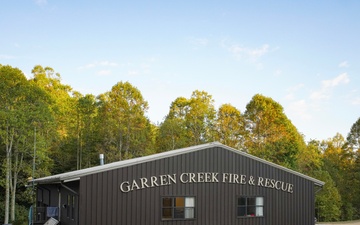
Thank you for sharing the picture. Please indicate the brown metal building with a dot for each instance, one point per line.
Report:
(209, 184)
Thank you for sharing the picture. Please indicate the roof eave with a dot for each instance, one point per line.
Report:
(76, 175)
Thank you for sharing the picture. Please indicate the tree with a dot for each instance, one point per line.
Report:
(200, 118)
(123, 127)
(172, 132)
(311, 159)
(270, 134)
(23, 108)
(86, 112)
(171, 135)
(339, 162)
(352, 151)
(63, 108)
(189, 122)
(230, 126)
(356, 184)
(12, 82)
(353, 138)
(328, 200)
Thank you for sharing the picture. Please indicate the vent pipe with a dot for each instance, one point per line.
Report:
(101, 159)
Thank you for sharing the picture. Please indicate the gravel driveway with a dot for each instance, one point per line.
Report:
(357, 222)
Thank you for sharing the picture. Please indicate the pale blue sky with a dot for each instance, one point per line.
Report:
(303, 54)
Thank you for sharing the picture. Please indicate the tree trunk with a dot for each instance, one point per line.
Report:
(7, 188)
(13, 198)
(9, 142)
(16, 169)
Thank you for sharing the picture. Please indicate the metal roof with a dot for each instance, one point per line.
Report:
(76, 175)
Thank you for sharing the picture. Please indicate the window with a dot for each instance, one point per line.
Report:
(250, 207)
(174, 208)
(73, 208)
(70, 207)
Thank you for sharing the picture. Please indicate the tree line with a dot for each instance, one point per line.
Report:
(47, 128)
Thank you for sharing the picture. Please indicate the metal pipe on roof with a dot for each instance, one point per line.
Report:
(101, 156)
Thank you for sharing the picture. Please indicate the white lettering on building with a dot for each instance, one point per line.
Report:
(205, 177)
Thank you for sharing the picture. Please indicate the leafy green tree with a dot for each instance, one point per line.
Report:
(311, 158)
(63, 108)
(352, 153)
(312, 162)
(24, 107)
(270, 134)
(200, 118)
(353, 138)
(172, 132)
(124, 130)
(230, 126)
(355, 185)
(339, 162)
(189, 122)
(86, 109)
(12, 81)
(171, 135)
(328, 200)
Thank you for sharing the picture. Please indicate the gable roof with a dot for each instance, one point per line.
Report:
(76, 175)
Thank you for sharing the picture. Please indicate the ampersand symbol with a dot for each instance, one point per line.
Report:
(251, 180)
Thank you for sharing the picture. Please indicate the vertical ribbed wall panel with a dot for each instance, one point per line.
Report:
(102, 202)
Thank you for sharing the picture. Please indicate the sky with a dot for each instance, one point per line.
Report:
(303, 54)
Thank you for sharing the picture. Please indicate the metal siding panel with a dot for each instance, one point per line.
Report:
(104, 191)
(136, 203)
(107, 196)
(142, 200)
(82, 200)
(128, 200)
(92, 204)
(98, 197)
(87, 202)
(122, 210)
(150, 198)
(157, 199)
(215, 202)
(114, 197)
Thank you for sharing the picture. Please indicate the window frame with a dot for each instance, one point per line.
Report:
(247, 206)
(71, 202)
(173, 208)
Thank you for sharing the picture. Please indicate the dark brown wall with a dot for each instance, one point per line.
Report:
(102, 202)
(48, 195)
(69, 213)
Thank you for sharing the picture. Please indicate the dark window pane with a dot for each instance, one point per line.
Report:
(251, 211)
(242, 201)
(251, 201)
(241, 211)
(179, 213)
(167, 202)
(167, 214)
